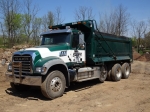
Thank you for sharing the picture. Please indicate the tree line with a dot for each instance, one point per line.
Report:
(19, 23)
(22, 25)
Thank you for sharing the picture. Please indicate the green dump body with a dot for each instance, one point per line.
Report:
(107, 48)
(101, 47)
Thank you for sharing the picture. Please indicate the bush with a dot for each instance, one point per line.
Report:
(141, 52)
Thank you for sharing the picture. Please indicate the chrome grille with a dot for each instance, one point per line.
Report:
(22, 64)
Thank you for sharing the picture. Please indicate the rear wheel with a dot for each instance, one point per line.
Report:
(109, 75)
(116, 72)
(54, 85)
(125, 70)
(19, 87)
(103, 74)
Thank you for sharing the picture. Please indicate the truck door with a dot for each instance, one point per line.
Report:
(78, 49)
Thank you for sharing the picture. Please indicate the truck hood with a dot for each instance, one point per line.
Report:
(43, 52)
(55, 47)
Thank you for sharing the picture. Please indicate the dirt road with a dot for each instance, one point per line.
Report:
(127, 95)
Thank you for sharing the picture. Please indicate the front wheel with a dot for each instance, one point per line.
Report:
(54, 85)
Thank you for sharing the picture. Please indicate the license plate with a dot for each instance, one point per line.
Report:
(17, 64)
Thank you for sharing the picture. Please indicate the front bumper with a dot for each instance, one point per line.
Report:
(26, 80)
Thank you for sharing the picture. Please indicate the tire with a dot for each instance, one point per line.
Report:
(125, 70)
(54, 85)
(103, 74)
(116, 72)
(19, 87)
(109, 75)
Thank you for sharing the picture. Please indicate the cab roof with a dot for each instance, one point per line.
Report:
(57, 31)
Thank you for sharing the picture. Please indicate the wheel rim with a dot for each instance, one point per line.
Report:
(127, 71)
(118, 73)
(103, 73)
(56, 84)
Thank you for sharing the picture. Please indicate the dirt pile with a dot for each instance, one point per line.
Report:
(21, 47)
(7, 53)
(136, 55)
(144, 57)
(139, 57)
(147, 55)
(1, 50)
(6, 56)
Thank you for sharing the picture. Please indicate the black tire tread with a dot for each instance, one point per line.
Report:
(45, 89)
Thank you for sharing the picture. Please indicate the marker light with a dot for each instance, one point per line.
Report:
(67, 27)
(84, 22)
(50, 27)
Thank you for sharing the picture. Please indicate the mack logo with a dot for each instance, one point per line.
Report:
(21, 59)
(63, 53)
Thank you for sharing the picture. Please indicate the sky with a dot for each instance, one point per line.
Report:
(139, 10)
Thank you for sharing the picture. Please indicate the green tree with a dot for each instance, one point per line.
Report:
(134, 41)
(9, 10)
(147, 40)
(15, 30)
(36, 30)
(30, 13)
(83, 13)
(139, 30)
(48, 20)
(115, 22)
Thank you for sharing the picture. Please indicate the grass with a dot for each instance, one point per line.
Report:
(141, 52)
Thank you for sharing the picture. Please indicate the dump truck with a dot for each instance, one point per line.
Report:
(70, 52)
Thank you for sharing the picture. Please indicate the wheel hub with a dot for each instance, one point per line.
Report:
(118, 73)
(103, 74)
(127, 71)
(56, 84)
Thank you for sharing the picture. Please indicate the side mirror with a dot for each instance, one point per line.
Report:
(81, 39)
(40, 40)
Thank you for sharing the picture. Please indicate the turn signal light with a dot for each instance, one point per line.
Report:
(84, 22)
(50, 27)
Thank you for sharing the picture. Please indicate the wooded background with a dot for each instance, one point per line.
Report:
(21, 25)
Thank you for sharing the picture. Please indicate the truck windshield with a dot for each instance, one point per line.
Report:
(57, 38)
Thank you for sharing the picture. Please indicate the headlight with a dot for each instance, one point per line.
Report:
(9, 67)
(40, 69)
